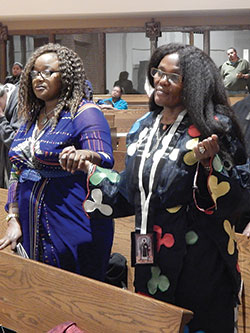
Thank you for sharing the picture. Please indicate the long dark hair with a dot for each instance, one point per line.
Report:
(74, 86)
(203, 93)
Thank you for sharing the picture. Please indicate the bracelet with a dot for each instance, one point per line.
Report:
(9, 216)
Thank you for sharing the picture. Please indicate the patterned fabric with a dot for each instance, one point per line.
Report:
(196, 260)
(55, 228)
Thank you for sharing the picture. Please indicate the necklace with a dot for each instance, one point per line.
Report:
(46, 118)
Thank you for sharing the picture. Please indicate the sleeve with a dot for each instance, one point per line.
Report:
(222, 71)
(107, 194)
(223, 189)
(227, 182)
(123, 105)
(13, 187)
(9, 123)
(247, 67)
(94, 133)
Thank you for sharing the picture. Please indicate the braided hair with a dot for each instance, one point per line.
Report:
(74, 86)
(203, 92)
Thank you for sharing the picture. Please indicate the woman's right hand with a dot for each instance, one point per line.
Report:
(12, 234)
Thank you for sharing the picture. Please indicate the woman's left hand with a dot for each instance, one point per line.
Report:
(206, 149)
(72, 159)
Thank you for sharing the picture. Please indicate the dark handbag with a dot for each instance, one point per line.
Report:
(117, 272)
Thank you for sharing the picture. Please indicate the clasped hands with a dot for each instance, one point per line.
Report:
(72, 159)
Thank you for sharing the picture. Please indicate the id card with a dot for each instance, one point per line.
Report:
(142, 249)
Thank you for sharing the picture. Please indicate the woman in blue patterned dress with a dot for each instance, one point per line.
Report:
(187, 181)
(44, 201)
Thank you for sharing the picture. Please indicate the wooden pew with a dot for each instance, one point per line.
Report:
(141, 100)
(235, 99)
(121, 143)
(113, 132)
(119, 157)
(243, 244)
(131, 99)
(124, 119)
(35, 297)
(110, 117)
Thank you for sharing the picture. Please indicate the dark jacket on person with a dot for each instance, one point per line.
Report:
(12, 79)
(9, 124)
(242, 112)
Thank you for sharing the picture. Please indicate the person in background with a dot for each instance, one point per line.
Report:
(44, 201)
(115, 102)
(186, 180)
(124, 83)
(16, 73)
(242, 113)
(236, 73)
(9, 123)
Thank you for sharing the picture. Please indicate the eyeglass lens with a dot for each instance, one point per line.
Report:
(173, 77)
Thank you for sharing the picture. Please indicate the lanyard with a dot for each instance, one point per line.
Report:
(145, 200)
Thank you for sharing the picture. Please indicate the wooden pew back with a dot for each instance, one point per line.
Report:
(243, 244)
(36, 297)
(124, 119)
(131, 99)
(235, 99)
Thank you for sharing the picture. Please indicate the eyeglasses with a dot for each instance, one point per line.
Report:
(46, 74)
(170, 77)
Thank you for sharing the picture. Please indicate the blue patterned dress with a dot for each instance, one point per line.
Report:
(56, 230)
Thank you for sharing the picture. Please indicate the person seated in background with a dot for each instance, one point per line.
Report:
(16, 73)
(235, 73)
(115, 102)
(9, 124)
(126, 84)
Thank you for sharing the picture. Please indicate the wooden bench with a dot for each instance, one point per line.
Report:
(138, 100)
(35, 297)
(131, 99)
(119, 157)
(124, 119)
(243, 244)
(235, 99)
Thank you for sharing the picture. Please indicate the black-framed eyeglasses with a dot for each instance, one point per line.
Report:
(170, 77)
(45, 74)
